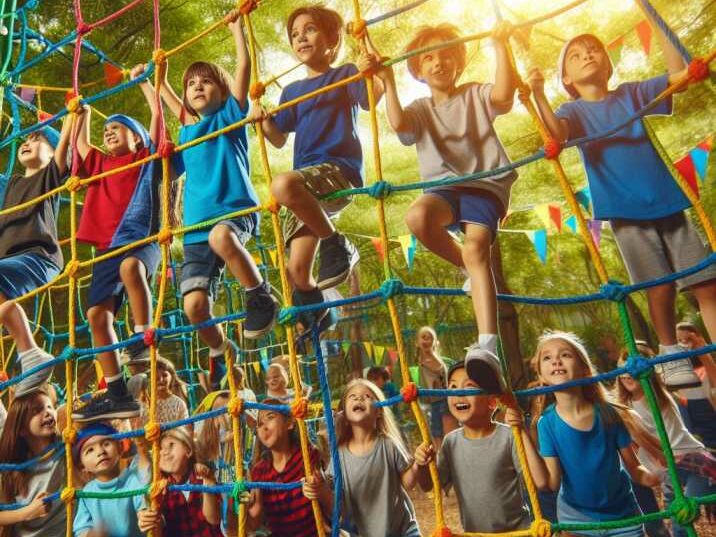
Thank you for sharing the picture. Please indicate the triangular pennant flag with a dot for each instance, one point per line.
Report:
(346, 345)
(379, 352)
(27, 94)
(264, 363)
(542, 212)
(112, 75)
(43, 116)
(584, 197)
(700, 158)
(688, 172)
(614, 49)
(555, 214)
(392, 356)
(378, 245)
(643, 31)
(256, 367)
(571, 223)
(539, 241)
(257, 258)
(414, 374)
(368, 348)
(405, 243)
(595, 227)
(273, 254)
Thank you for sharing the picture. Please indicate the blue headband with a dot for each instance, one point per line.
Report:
(133, 125)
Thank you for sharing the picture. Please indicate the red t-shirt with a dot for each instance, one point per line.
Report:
(107, 199)
(287, 513)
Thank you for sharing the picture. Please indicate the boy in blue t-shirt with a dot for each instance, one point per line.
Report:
(327, 156)
(630, 185)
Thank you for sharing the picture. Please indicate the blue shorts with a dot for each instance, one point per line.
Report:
(22, 273)
(106, 282)
(566, 514)
(202, 267)
(472, 206)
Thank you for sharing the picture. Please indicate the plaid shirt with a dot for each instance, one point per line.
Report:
(182, 517)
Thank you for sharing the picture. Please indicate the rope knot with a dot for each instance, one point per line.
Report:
(237, 491)
(157, 489)
(288, 315)
(409, 392)
(442, 532)
(166, 149)
(72, 267)
(83, 28)
(67, 353)
(357, 28)
(165, 237)
(67, 495)
(159, 56)
(541, 528)
(552, 148)
(638, 367)
(299, 408)
(614, 291)
(698, 70)
(247, 6)
(381, 189)
(150, 336)
(69, 435)
(152, 432)
(685, 510)
(391, 287)
(73, 184)
(74, 104)
(273, 206)
(257, 90)
(235, 406)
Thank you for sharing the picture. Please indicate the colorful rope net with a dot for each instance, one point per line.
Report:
(684, 509)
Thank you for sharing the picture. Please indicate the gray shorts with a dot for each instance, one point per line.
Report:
(320, 180)
(653, 249)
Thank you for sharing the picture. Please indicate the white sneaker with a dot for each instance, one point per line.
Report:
(467, 287)
(484, 368)
(678, 374)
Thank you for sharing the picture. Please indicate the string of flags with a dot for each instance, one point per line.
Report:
(643, 32)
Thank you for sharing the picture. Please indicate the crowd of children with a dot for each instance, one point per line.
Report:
(594, 448)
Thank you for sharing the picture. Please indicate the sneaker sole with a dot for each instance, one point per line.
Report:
(256, 334)
(484, 375)
(675, 387)
(307, 332)
(342, 277)
(123, 414)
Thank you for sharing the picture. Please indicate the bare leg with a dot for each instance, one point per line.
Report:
(13, 317)
(133, 274)
(705, 294)
(290, 191)
(198, 310)
(101, 321)
(476, 256)
(427, 219)
(239, 261)
(661, 301)
(301, 257)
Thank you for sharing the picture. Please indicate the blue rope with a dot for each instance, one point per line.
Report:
(668, 32)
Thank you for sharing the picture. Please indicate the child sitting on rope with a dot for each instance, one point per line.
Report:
(481, 447)
(30, 255)
(630, 184)
(118, 210)
(97, 454)
(218, 183)
(376, 468)
(286, 513)
(454, 134)
(327, 157)
(184, 513)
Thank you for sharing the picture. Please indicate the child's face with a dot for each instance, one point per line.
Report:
(35, 151)
(164, 381)
(275, 381)
(585, 61)
(630, 384)
(120, 140)
(559, 362)
(309, 42)
(174, 456)
(360, 405)
(426, 341)
(438, 68)
(272, 428)
(43, 418)
(203, 94)
(467, 408)
(100, 456)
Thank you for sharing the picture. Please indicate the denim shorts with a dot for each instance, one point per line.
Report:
(472, 206)
(106, 282)
(202, 268)
(566, 514)
(22, 273)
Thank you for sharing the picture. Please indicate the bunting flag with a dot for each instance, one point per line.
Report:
(571, 223)
(700, 157)
(112, 75)
(273, 254)
(27, 94)
(643, 32)
(555, 214)
(408, 244)
(264, 363)
(378, 245)
(542, 212)
(538, 237)
(43, 116)
(346, 346)
(414, 374)
(614, 49)
(379, 352)
(392, 356)
(584, 198)
(595, 227)
(687, 169)
(257, 368)
(368, 348)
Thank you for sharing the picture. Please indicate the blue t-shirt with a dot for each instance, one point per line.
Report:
(593, 479)
(627, 178)
(117, 517)
(217, 170)
(326, 126)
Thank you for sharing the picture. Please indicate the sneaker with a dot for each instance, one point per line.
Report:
(467, 287)
(35, 381)
(106, 407)
(261, 313)
(338, 257)
(678, 375)
(483, 367)
(309, 318)
(138, 353)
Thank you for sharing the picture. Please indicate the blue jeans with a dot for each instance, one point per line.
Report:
(694, 485)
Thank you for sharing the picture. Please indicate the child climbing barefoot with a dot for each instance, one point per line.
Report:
(375, 466)
(454, 134)
(218, 183)
(30, 255)
(327, 157)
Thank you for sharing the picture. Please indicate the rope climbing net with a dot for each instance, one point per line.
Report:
(684, 509)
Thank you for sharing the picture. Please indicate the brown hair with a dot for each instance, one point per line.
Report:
(208, 440)
(625, 397)
(327, 20)
(425, 34)
(14, 447)
(261, 451)
(178, 386)
(209, 70)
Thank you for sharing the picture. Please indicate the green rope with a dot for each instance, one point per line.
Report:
(112, 495)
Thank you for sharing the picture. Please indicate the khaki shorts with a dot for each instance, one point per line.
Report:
(653, 249)
(320, 180)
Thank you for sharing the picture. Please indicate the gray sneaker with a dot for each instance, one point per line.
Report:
(483, 367)
(37, 380)
(678, 375)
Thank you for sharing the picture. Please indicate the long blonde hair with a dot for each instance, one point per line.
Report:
(386, 425)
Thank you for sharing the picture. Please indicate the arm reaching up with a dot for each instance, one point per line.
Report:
(242, 75)
(558, 128)
(151, 97)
